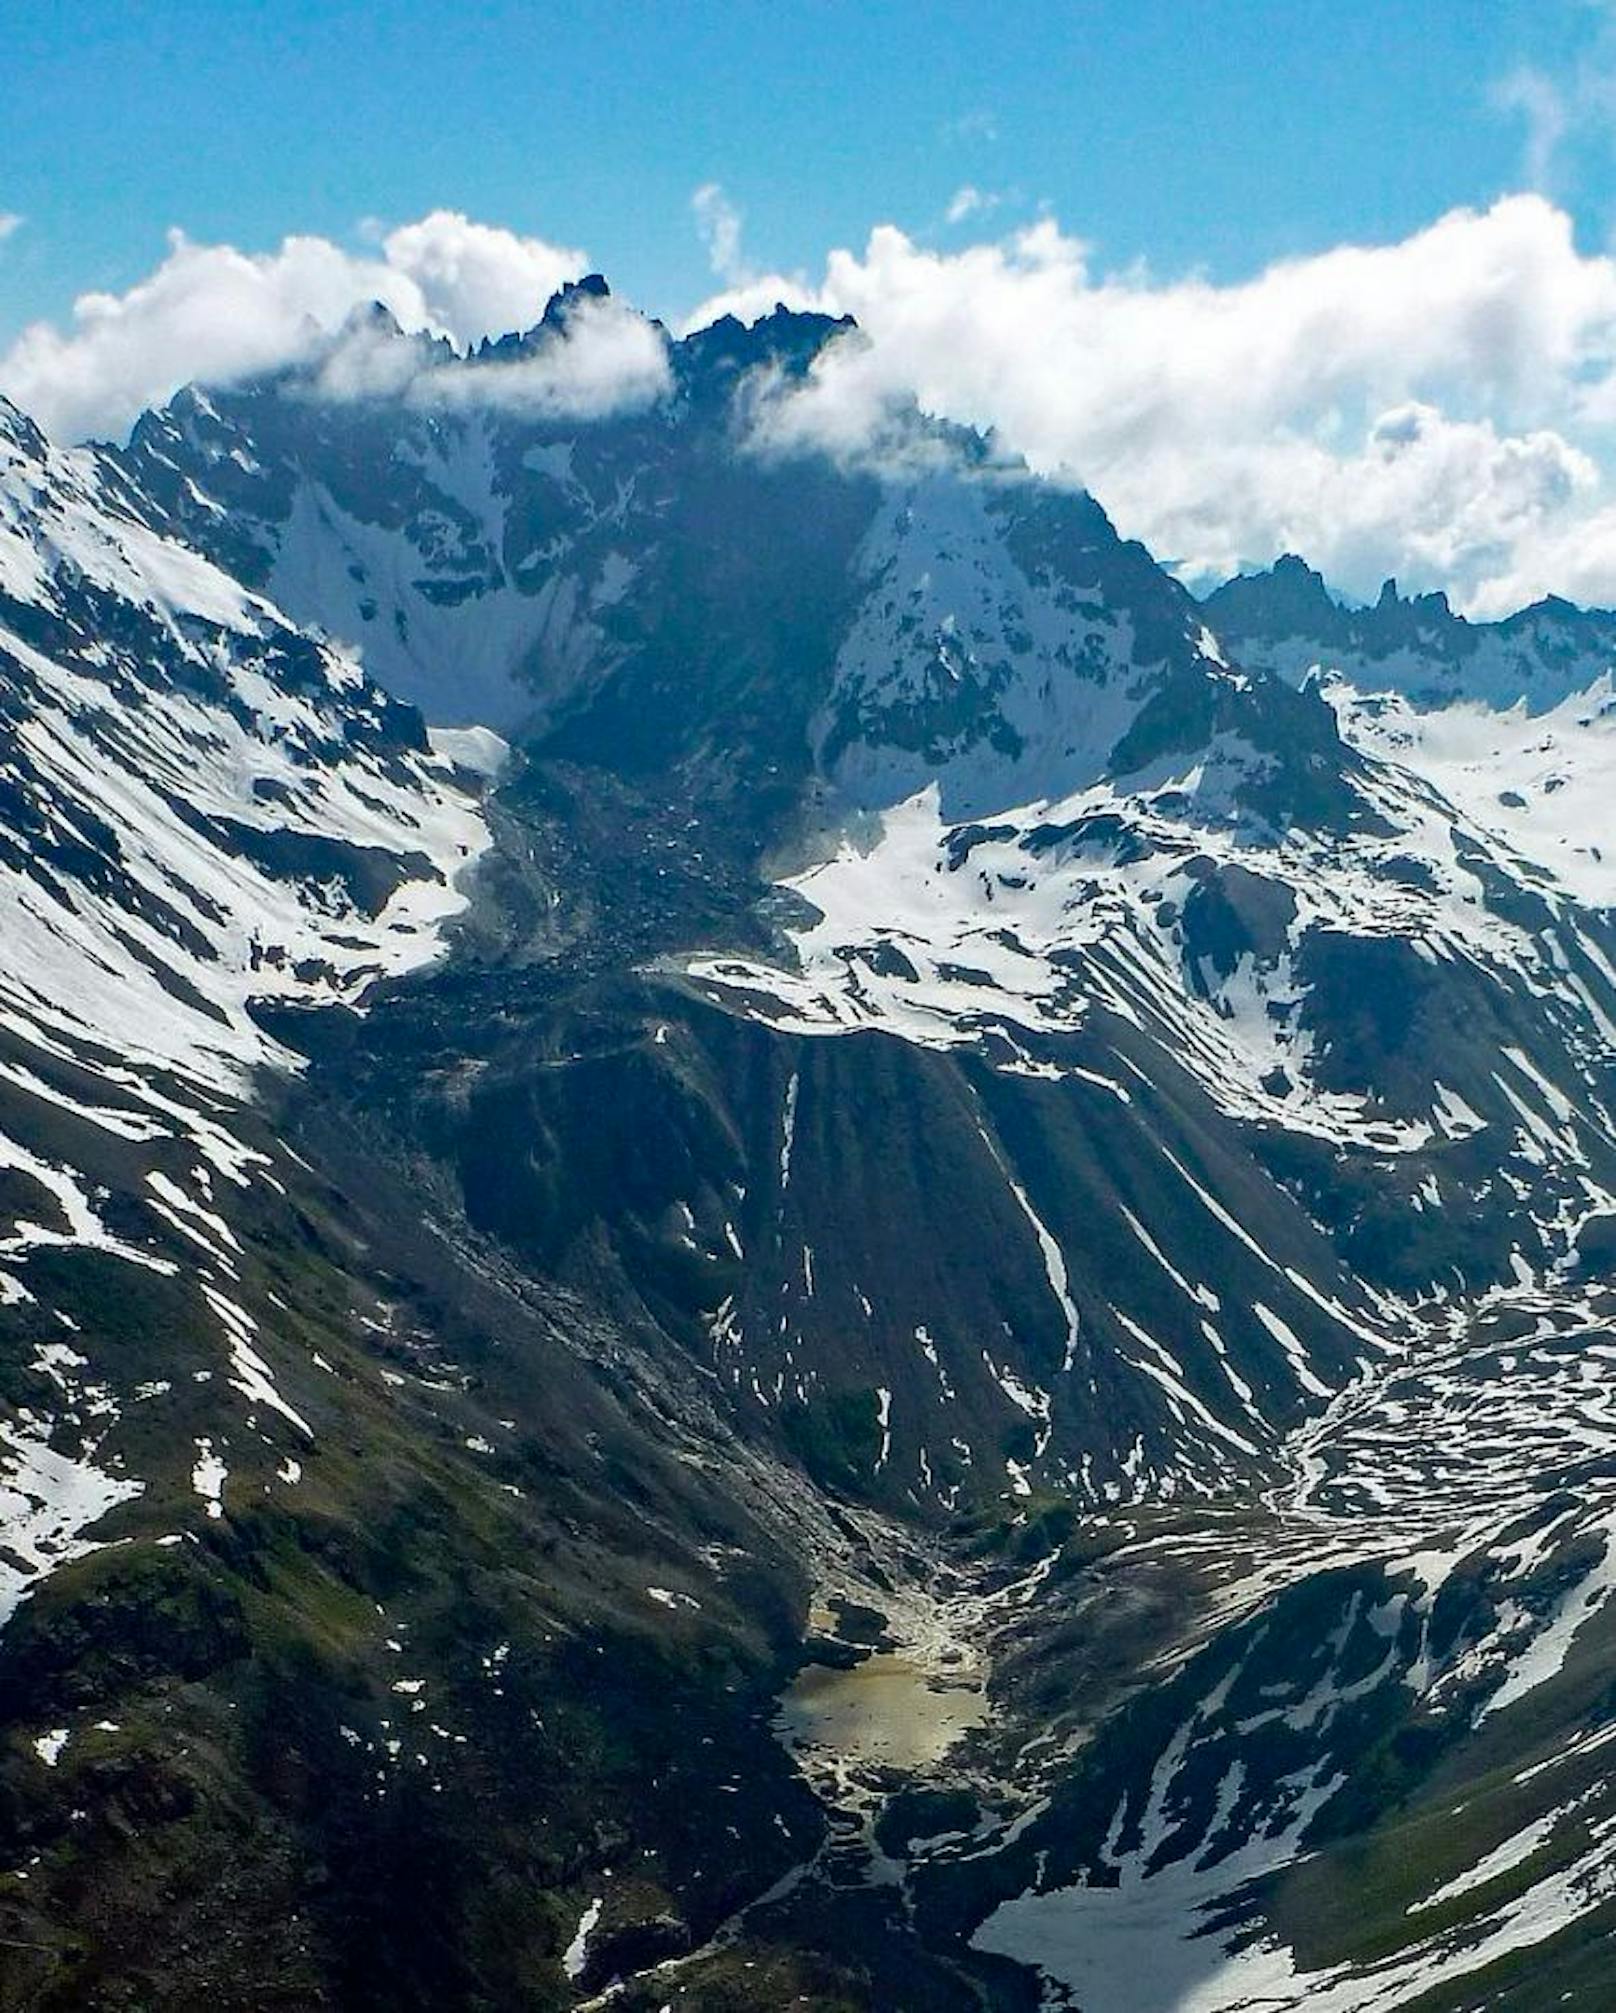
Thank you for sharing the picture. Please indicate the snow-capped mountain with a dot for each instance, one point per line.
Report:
(204, 807)
(452, 515)
(1288, 621)
(988, 1164)
(246, 1442)
(204, 812)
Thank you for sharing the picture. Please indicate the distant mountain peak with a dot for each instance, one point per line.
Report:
(373, 317)
(1290, 598)
(1287, 620)
(566, 300)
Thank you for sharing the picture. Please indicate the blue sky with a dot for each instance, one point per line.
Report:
(1218, 134)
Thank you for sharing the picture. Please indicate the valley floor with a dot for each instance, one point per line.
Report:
(1362, 1719)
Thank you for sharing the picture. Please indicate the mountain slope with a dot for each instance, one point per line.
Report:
(985, 1165)
(201, 808)
(327, 1543)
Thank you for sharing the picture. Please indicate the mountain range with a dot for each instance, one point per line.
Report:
(768, 1236)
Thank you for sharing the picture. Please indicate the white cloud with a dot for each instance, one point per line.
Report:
(1567, 117)
(719, 223)
(746, 294)
(1441, 407)
(213, 313)
(608, 359)
(10, 224)
(1541, 104)
(475, 280)
(757, 297)
(848, 412)
(969, 201)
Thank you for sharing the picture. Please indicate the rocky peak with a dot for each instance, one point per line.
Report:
(566, 301)
(1290, 599)
(1287, 620)
(560, 312)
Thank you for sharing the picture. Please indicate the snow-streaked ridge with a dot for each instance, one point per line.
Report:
(202, 810)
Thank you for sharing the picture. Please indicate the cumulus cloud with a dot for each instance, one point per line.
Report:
(474, 280)
(847, 411)
(10, 224)
(752, 298)
(215, 314)
(1441, 407)
(607, 359)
